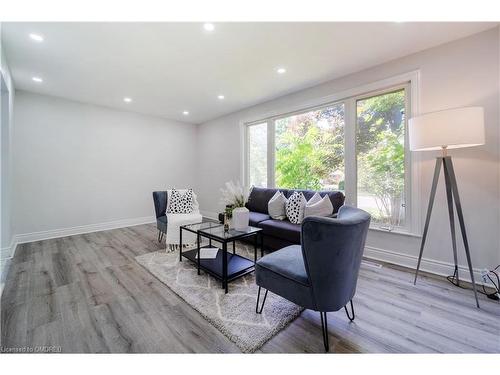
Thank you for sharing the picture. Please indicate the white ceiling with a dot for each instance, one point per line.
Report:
(167, 68)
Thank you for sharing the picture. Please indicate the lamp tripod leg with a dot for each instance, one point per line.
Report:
(449, 165)
(449, 196)
(435, 180)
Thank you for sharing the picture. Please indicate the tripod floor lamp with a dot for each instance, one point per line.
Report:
(443, 130)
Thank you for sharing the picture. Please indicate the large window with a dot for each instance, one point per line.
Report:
(257, 154)
(356, 145)
(309, 152)
(380, 147)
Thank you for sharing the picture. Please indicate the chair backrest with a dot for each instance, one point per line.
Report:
(160, 201)
(332, 250)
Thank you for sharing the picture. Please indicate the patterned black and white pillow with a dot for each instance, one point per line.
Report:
(295, 207)
(181, 203)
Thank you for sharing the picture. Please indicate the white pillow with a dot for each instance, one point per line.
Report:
(277, 206)
(322, 208)
(295, 207)
(314, 199)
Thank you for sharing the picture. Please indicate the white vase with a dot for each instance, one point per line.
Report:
(241, 217)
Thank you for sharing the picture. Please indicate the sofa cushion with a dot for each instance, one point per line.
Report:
(257, 217)
(259, 198)
(281, 229)
(287, 262)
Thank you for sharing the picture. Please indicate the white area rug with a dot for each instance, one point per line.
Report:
(233, 313)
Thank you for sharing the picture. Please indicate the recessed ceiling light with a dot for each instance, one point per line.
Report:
(281, 70)
(209, 26)
(36, 37)
(220, 97)
(37, 79)
(185, 113)
(127, 100)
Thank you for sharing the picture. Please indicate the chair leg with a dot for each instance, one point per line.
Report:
(263, 302)
(324, 330)
(347, 313)
(160, 236)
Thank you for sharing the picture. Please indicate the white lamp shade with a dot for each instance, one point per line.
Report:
(451, 128)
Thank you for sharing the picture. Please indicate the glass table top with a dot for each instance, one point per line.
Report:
(219, 232)
(203, 225)
(216, 229)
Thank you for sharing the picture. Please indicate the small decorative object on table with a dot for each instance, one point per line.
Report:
(241, 218)
(235, 196)
(226, 222)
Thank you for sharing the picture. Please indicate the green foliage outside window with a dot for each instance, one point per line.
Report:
(380, 150)
(310, 150)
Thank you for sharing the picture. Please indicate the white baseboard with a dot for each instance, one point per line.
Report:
(8, 251)
(210, 214)
(64, 232)
(6, 254)
(428, 265)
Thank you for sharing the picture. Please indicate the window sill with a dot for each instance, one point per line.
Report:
(400, 232)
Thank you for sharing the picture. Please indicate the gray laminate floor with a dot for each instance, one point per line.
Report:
(86, 293)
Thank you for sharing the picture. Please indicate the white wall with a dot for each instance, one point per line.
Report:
(6, 125)
(83, 165)
(461, 73)
(6, 114)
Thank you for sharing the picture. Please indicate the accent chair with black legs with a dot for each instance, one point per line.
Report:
(168, 224)
(321, 273)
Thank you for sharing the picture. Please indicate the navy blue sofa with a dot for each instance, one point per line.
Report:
(280, 233)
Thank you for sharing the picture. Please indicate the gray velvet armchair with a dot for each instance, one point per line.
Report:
(321, 273)
(168, 224)
(160, 202)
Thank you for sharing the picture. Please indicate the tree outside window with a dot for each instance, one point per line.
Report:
(310, 150)
(381, 157)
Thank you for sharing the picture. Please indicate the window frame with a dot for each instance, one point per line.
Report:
(410, 82)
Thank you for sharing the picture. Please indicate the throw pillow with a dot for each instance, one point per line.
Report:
(196, 206)
(276, 206)
(295, 207)
(322, 208)
(314, 199)
(181, 203)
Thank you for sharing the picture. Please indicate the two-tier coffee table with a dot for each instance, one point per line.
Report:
(226, 266)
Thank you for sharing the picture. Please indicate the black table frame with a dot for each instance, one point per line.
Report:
(207, 265)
